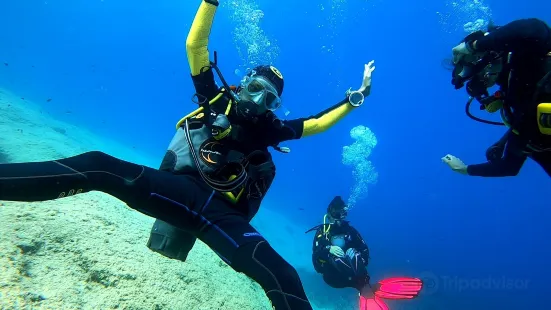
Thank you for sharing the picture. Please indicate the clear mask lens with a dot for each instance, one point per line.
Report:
(262, 92)
(255, 86)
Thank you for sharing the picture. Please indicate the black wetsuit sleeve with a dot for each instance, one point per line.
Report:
(291, 130)
(509, 165)
(321, 245)
(523, 35)
(205, 84)
(359, 244)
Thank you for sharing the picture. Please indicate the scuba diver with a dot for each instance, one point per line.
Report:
(517, 58)
(341, 255)
(214, 175)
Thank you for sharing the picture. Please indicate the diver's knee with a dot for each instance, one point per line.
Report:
(96, 156)
(92, 159)
(89, 161)
(261, 262)
(259, 251)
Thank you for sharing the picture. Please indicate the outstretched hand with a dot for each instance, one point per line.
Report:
(366, 83)
(455, 164)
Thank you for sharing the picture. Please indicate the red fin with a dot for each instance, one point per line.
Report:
(372, 303)
(399, 288)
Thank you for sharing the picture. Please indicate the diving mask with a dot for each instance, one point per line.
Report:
(337, 209)
(338, 213)
(259, 90)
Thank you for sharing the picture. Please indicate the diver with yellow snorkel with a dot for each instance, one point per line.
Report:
(214, 175)
(517, 58)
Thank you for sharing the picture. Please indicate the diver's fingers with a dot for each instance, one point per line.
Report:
(368, 69)
(447, 158)
(370, 65)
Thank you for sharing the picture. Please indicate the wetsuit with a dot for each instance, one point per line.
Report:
(513, 152)
(529, 42)
(185, 201)
(341, 272)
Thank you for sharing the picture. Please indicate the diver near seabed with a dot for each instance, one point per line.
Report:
(214, 175)
(517, 58)
(341, 255)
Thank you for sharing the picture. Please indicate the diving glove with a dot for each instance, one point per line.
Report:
(351, 253)
(455, 164)
(337, 251)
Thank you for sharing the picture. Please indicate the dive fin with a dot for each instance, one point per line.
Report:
(372, 303)
(398, 288)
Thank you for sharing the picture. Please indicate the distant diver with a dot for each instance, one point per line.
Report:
(214, 175)
(341, 255)
(517, 58)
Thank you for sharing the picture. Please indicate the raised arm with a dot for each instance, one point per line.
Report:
(197, 49)
(198, 37)
(303, 127)
(326, 119)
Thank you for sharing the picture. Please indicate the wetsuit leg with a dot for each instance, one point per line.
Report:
(544, 160)
(179, 200)
(335, 279)
(228, 232)
(346, 272)
(40, 181)
(131, 183)
(170, 241)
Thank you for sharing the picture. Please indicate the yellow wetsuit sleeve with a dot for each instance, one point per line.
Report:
(326, 119)
(198, 38)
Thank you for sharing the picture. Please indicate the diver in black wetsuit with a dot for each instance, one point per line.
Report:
(516, 57)
(341, 255)
(339, 252)
(214, 175)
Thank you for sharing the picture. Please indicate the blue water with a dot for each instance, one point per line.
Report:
(119, 68)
